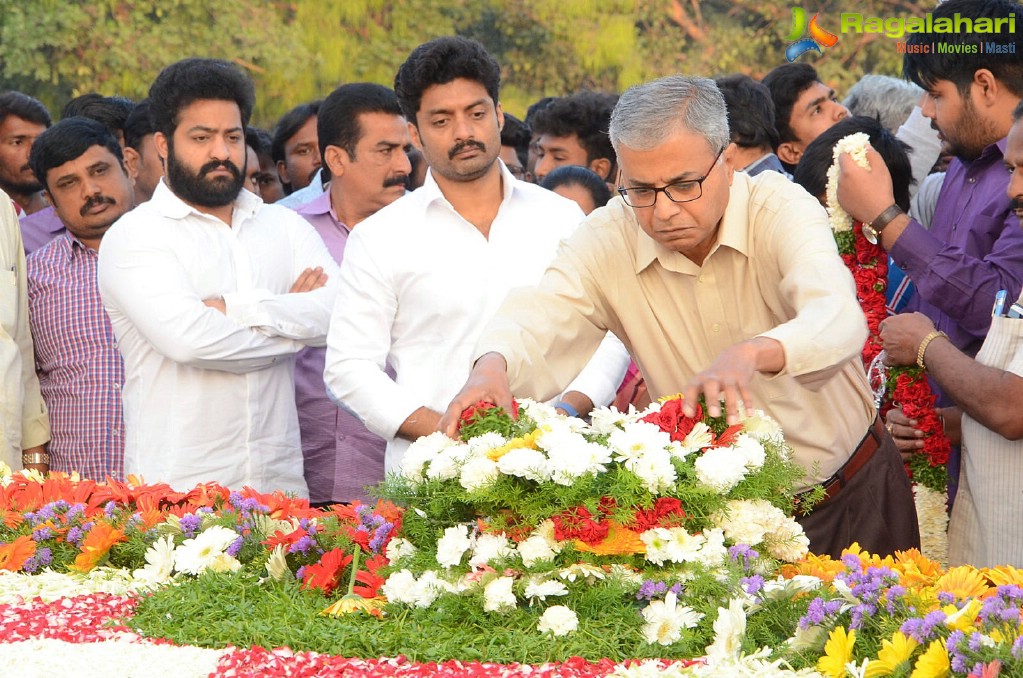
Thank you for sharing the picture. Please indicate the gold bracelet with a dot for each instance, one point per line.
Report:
(35, 458)
(924, 344)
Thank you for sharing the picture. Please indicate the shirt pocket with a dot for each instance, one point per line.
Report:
(8, 300)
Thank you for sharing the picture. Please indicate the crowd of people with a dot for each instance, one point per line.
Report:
(207, 301)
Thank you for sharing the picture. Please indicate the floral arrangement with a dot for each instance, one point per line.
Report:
(906, 386)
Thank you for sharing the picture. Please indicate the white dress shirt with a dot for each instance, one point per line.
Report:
(23, 420)
(208, 396)
(419, 283)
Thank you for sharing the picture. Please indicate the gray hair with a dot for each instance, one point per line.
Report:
(649, 114)
(888, 99)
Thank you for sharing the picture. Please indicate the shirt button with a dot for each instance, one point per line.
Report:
(716, 327)
(972, 180)
(700, 278)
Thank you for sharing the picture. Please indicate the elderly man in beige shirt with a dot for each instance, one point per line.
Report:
(725, 285)
(24, 425)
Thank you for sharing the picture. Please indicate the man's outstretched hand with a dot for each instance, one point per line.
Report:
(488, 381)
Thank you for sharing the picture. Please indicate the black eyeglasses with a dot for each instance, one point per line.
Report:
(680, 191)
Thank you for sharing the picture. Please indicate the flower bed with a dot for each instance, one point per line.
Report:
(534, 546)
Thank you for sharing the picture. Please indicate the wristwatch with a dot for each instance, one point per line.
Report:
(873, 230)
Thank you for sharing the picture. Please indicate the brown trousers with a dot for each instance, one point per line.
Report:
(875, 509)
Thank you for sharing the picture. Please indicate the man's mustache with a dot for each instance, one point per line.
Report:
(396, 180)
(1016, 204)
(217, 164)
(462, 145)
(95, 200)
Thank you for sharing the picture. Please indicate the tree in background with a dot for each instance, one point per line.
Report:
(297, 50)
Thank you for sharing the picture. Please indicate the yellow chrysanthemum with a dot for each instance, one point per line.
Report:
(869, 559)
(1005, 575)
(838, 652)
(528, 441)
(894, 656)
(963, 582)
(933, 663)
(821, 566)
(915, 569)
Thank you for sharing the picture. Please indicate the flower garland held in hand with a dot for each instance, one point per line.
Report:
(906, 387)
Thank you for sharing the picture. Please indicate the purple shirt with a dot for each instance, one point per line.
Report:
(40, 228)
(80, 368)
(973, 249)
(341, 456)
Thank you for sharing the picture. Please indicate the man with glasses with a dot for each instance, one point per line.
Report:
(721, 285)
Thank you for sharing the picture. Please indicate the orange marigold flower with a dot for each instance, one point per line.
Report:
(620, 541)
(14, 554)
(97, 543)
(823, 567)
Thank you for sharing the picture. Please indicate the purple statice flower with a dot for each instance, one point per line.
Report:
(42, 558)
(651, 589)
(922, 630)
(859, 612)
(976, 642)
(1017, 648)
(814, 614)
(235, 547)
(676, 588)
(978, 669)
(42, 534)
(958, 663)
(892, 596)
(110, 509)
(743, 553)
(30, 517)
(303, 545)
(308, 525)
(380, 536)
(74, 536)
(946, 598)
(75, 511)
(852, 563)
(235, 499)
(190, 524)
(47, 512)
(752, 585)
(299, 573)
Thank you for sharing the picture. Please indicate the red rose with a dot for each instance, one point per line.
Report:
(671, 420)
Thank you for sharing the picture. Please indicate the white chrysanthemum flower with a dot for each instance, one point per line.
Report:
(399, 548)
(750, 450)
(855, 145)
(478, 473)
(159, 561)
(540, 545)
(199, 553)
(712, 551)
(655, 470)
(277, 563)
(729, 631)
(453, 545)
(428, 587)
(762, 427)
(442, 467)
(788, 542)
(700, 437)
(570, 456)
(490, 547)
(748, 521)
(558, 620)
(538, 589)
(524, 462)
(498, 596)
(421, 452)
(637, 440)
(399, 587)
(718, 469)
(604, 420)
(673, 544)
(482, 444)
(666, 619)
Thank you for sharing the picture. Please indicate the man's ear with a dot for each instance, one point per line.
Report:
(282, 172)
(986, 86)
(160, 140)
(131, 162)
(336, 159)
(789, 152)
(602, 168)
(413, 132)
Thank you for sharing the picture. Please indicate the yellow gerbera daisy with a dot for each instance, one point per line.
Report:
(1005, 575)
(353, 602)
(838, 652)
(963, 582)
(933, 663)
(894, 656)
(527, 441)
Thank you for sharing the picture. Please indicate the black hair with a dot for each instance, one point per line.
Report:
(587, 115)
(750, 111)
(536, 107)
(260, 141)
(958, 66)
(338, 120)
(1017, 113)
(812, 171)
(25, 107)
(786, 83)
(197, 79)
(111, 112)
(516, 134)
(440, 61)
(289, 125)
(138, 125)
(68, 140)
(574, 175)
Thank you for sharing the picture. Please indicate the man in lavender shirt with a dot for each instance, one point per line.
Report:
(363, 141)
(974, 247)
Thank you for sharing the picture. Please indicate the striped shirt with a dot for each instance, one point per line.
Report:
(80, 368)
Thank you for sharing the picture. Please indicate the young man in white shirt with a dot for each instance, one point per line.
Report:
(210, 294)
(422, 276)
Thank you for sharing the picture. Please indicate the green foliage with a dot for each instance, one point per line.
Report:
(302, 49)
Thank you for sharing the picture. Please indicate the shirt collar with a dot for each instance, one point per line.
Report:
(167, 203)
(733, 232)
(430, 192)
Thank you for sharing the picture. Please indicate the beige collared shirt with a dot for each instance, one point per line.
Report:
(774, 272)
